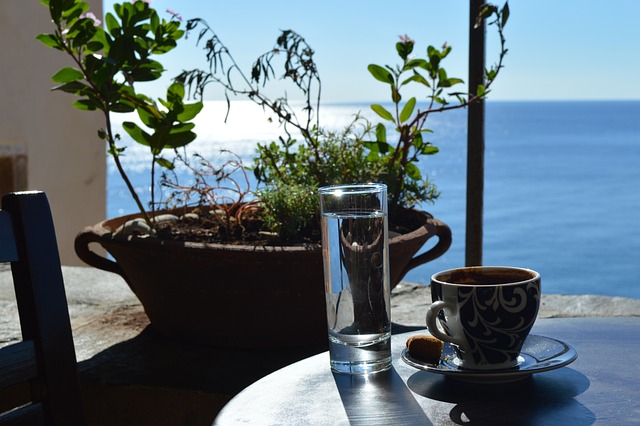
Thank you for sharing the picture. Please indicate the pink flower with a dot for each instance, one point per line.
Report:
(174, 14)
(91, 16)
(405, 39)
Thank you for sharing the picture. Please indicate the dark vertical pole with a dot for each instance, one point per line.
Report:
(475, 140)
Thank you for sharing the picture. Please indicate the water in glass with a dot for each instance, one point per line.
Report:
(355, 246)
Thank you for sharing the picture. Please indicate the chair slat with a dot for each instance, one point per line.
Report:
(31, 414)
(44, 316)
(17, 363)
(8, 252)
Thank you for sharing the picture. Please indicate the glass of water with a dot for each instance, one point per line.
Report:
(355, 250)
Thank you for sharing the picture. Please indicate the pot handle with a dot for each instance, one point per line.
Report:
(81, 246)
(443, 232)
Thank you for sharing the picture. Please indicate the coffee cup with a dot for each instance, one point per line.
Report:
(485, 312)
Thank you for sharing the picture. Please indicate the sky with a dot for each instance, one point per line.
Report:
(558, 49)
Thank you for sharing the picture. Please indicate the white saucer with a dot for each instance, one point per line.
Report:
(538, 354)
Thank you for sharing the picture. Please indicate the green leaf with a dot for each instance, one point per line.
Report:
(190, 111)
(111, 23)
(505, 14)
(137, 133)
(94, 46)
(395, 94)
(380, 73)
(163, 162)
(448, 82)
(434, 56)
(49, 40)
(67, 75)
(148, 71)
(487, 10)
(381, 133)
(149, 115)
(177, 140)
(382, 112)
(413, 172)
(414, 63)
(73, 10)
(409, 80)
(116, 151)
(176, 90)
(372, 157)
(429, 150)
(442, 75)
(85, 105)
(445, 52)
(121, 107)
(372, 146)
(418, 78)
(404, 49)
(81, 33)
(407, 110)
(58, 7)
(378, 147)
(75, 87)
(182, 127)
(418, 142)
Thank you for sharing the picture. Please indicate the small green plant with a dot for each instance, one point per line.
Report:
(308, 156)
(290, 167)
(289, 212)
(361, 152)
(406, 184)
(107, 64)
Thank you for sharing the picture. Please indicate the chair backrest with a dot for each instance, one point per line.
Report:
(45, 359)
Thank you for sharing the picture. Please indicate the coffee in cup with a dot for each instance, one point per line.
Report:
(486, 312)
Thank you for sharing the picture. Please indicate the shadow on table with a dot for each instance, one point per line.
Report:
(547, 398)
(397, 328)
(151, 379)
(156, 360)
(362, 397)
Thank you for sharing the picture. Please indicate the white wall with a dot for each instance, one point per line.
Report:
(65, 158)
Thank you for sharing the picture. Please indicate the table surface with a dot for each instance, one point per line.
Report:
(602, 386)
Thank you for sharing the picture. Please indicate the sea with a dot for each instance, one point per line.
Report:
(561, 194)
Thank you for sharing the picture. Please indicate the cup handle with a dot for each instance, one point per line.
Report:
(432, 316)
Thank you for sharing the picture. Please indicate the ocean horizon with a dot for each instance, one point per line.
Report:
(562, 184)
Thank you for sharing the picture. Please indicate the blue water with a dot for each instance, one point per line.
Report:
(562, 186)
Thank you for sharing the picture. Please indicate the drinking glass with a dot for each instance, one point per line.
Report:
(355, 250)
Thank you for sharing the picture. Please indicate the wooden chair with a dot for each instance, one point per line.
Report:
(45, 359)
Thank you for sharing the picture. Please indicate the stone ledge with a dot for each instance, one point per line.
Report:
(102, 308)
(409, 303)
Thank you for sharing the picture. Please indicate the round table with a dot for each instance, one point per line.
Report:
(600, 386)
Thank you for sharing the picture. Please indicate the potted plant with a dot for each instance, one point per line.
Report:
(228, 292)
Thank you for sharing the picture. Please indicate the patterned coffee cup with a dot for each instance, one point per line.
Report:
(486, 312)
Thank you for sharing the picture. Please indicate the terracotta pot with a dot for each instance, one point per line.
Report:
(239, 295)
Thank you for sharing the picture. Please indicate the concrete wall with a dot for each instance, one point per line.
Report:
(41, 134)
